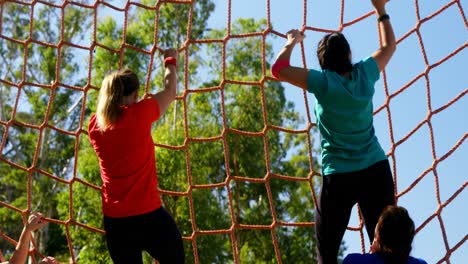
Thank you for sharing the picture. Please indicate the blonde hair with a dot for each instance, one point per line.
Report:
(113, 89)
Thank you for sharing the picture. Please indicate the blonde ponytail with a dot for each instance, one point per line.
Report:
(114, 87)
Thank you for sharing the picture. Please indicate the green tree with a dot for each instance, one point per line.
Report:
(246, 158)
(139, 35)
(226, 139)
(38, 138)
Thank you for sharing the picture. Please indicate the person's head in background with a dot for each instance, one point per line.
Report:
(394, 235)
(118, 88)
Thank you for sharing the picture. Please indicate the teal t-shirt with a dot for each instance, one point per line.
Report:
(344, 111)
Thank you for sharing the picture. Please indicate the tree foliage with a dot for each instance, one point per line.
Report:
(206, 147)
(36, 140)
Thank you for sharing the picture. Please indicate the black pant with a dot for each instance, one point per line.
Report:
(371, 188)
(155, 232)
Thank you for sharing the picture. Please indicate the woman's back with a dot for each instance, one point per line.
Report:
(345, 117)
(354, 165)
(126, 157)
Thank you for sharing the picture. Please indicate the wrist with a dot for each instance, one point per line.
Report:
(380, 11)
(290, 43)
(383, 18)
(170, 61)
(28, 229)
(278, 66)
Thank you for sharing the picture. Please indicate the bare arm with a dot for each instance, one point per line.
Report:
(294, 75)
(167, 96)
(48, 260)
(385, 53)
(35, 221)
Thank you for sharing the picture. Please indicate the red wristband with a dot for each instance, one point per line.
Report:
(278, 66)
(170, 60)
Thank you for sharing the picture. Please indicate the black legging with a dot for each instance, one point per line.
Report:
(371, 188)
(155, 232)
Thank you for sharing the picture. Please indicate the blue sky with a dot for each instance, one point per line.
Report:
(441, 35)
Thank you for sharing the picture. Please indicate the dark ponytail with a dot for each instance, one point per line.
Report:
(334, 52)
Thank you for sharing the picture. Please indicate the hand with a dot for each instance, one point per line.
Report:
(379, 5)
(295, 36)
(170, 53)
(35, 221)
(48, 260)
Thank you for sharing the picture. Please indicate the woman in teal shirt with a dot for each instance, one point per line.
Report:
(355, 168)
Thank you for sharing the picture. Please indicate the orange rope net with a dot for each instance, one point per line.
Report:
(13, 123)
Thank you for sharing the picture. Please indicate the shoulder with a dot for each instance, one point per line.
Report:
(413, 260)
(367, 64)
(92, 120)
(317, 82)
(92, 126)
(147, 109)
(369, 68)
(356, 258)
(367, 60)
(147, 103)
(353, 257)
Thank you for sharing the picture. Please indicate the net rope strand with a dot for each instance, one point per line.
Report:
(182, 96)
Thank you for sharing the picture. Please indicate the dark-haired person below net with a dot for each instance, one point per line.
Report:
(394, 235)
(355, 168)
(120, 133)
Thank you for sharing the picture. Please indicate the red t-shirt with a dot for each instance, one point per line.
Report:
(127, 161)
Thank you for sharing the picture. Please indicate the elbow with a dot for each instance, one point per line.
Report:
(393, 48)
(174, 92)
(171, 90)
(388, 50)
(278, 66)
(274, 71)
(275, 75)
(170, 86)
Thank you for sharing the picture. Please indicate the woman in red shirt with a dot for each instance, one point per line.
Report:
(120, 132)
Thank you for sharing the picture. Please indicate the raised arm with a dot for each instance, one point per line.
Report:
(167, 96)
(383, 55)
(35, 221)
(281, 68)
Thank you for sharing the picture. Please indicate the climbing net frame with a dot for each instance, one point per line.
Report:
(269, 31)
